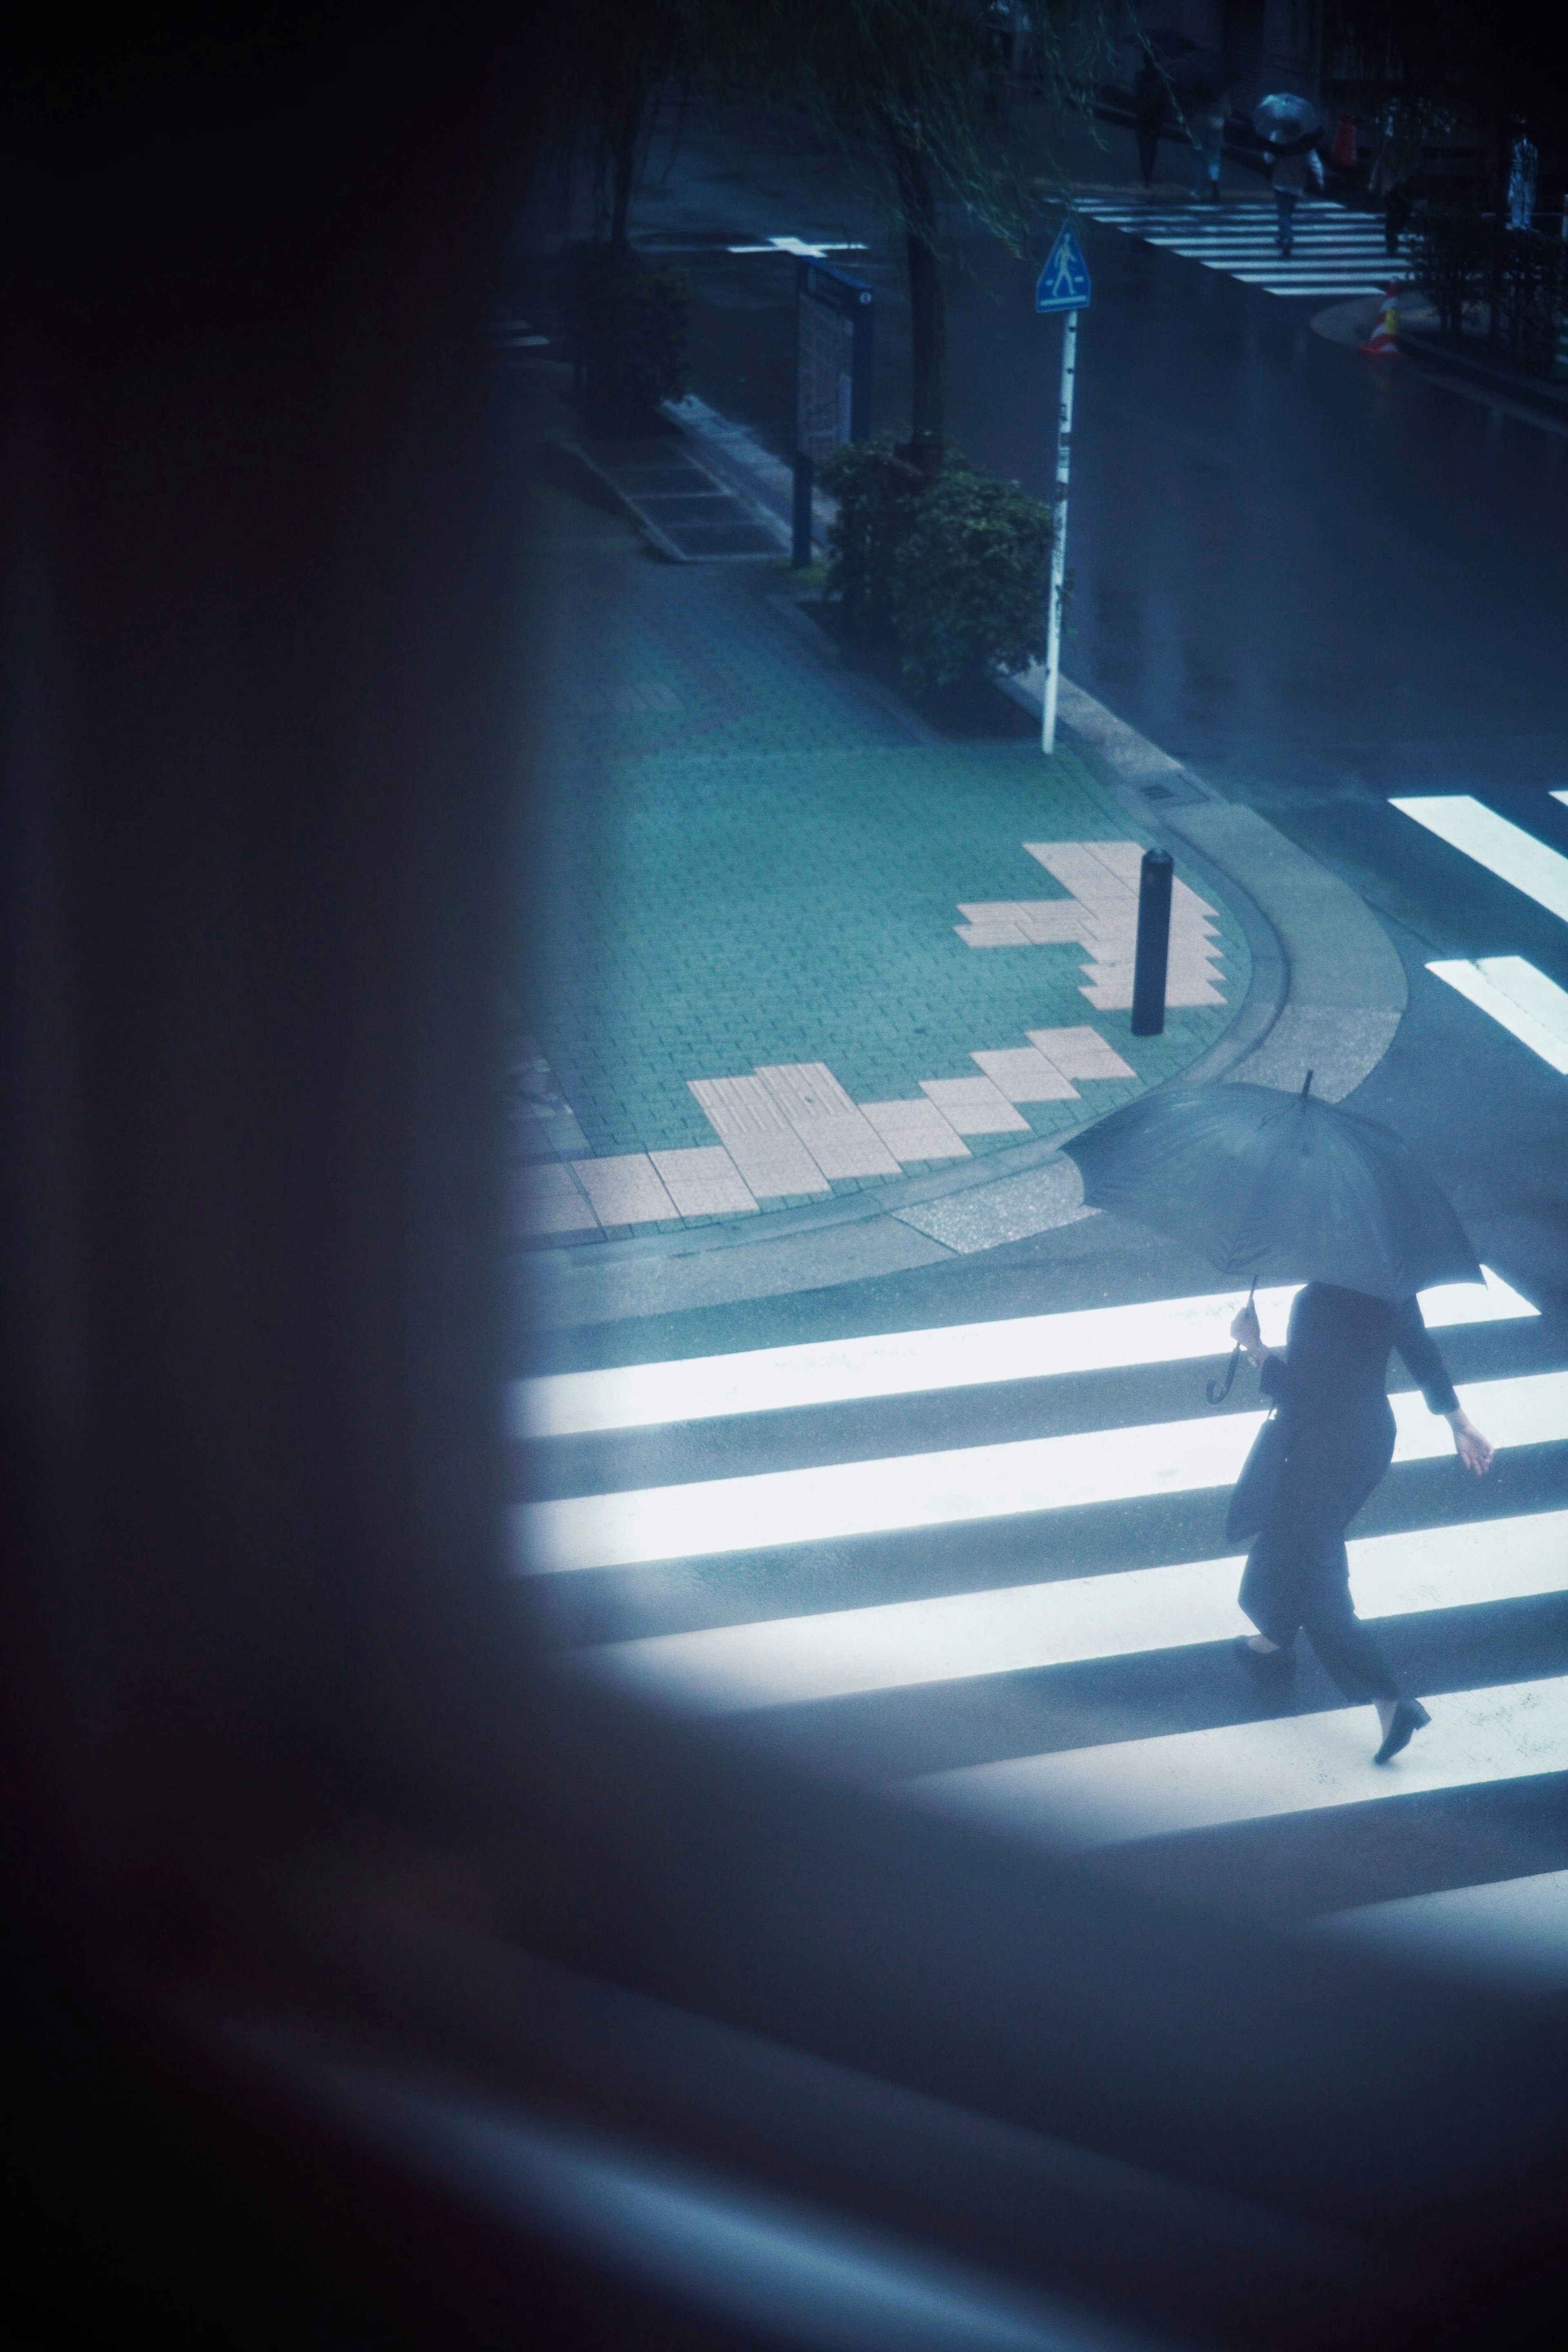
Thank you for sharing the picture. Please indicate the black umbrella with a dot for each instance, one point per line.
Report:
(1273, 1186)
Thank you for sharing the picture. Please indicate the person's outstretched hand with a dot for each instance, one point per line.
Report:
(1475, 1451)
(1246, 1334)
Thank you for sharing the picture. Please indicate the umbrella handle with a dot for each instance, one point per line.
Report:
(1217, 1391)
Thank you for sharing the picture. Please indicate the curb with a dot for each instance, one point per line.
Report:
(735, 455)
(1541, 398)
(1530, 399)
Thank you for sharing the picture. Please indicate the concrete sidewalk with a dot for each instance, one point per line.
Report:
(818, 993)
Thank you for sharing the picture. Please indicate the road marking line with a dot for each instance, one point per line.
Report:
(1519, 998)
(846, 1652)
(1504, 849)
(802, 247)
(839, 1500)
(1085, 1797)
(911, 1363)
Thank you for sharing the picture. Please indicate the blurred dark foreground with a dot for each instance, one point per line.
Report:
(363, 1988)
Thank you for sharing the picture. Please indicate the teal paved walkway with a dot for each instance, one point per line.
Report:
(750, 860)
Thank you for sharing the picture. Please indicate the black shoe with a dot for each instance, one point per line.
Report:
(1270, 1666)
(1409, 1717)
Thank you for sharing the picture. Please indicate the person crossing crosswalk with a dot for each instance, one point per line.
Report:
(1336, 252)
(979, 1567)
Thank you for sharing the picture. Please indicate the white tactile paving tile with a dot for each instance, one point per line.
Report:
(625, 1190)
(915, 1130)
(704, 1182)
(765, 1147)
(974, 1106)
(834, 1129)
(1025, 1076)
(541, 1197)
(1079, 1053)
(1023, 922)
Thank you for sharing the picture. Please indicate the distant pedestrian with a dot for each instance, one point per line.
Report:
(1397, 160)
(1150, 99)
(1294, 163)
(1328, 1445)
(1209, 119)
(1523, 172)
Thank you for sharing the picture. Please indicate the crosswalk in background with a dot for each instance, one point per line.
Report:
(1336, 252)
(981, 1566)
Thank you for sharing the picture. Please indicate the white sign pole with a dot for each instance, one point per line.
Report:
(1059, 535)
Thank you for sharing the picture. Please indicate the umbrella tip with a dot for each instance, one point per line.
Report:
(1306, 1085)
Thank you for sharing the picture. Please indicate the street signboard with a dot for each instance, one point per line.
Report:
(1063, 283)
(832, 368)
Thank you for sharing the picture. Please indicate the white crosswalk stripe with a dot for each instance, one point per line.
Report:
(1335, 252)
(952, 1487)
(790, 1660)
(1249, 1772)
(951, 1356)
(745, 1605)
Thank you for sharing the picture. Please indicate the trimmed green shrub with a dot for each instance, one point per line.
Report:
(877, 492)
(628, 323)
(949, 573)
(969, 580)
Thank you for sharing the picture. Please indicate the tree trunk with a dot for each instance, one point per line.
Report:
(623, 163)
(927, 307)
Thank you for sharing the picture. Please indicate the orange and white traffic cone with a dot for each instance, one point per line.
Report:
(1384, 340)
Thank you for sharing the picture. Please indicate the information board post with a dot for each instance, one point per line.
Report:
(833, 317)
(1063, 285)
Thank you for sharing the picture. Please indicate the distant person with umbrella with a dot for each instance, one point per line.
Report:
(1288, 126)
(1269, 1185)
(1201, 81)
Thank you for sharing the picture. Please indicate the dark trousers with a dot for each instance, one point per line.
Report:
(1297, 1578)
(1396, 210)
(1148, 149)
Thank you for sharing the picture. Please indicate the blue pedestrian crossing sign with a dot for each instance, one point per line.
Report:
(1063, 283)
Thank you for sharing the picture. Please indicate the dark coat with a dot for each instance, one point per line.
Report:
(1332, 1436)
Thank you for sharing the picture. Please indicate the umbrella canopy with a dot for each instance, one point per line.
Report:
(1284, 116)
(1277, 1187)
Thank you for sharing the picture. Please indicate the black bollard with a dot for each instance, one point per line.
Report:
(1154, 944)
(801, 555)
